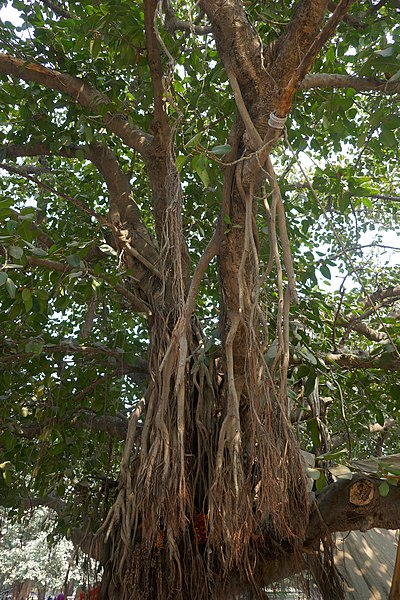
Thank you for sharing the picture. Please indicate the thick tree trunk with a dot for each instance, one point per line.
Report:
(214, 503)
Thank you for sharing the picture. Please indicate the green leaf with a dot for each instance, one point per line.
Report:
(395, 470)
(26, 294)
(379, 416)
(11, 226)
(384, 489)
(341, 472)
(180, 161)
(95, 47)
(312, 427)
(194, 140)
(313, 473)
(308, 355)
(203, 174)
(11, 288)
(344, 201)
(388, 138)
(221, 150)
(309, 385)
(325, 271)
(74, 260)
(321, 483)
(15, 252)
(3, 277)
(27, 299)
(389, 51)
(367, 202)
(7, 478)
(34, 347)
(395, 77)
(38, 251)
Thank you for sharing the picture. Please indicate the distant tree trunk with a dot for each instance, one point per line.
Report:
(41, 591)
(24, 589)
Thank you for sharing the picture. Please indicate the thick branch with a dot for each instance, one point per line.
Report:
(348, 505)
(137, 373)
(142, 268)
(360, 84)
(311, 52)
(349, 19)
(298, 37)
(342, 438)
(354, 323)
(385, 361)
(51, 501)
(378, 296)
(116, 427)
(84, 94)
(238, 44)
(154, 62)
(57, 9)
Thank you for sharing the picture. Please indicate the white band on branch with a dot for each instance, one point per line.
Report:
(276, 122)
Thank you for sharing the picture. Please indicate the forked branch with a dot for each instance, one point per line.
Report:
(87, 96)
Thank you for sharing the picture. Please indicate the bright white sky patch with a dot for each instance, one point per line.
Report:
(8, 13)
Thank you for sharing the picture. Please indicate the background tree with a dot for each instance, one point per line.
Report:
(166, 348)
(27, 556)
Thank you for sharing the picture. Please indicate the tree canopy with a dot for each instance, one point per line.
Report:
(199, 328)
(27, 555)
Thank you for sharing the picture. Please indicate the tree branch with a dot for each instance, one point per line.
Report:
(155, 64)
(379, 295)
(51, 501)
(385, 361)
(172, 23)
(347, 505)
(311, 53)
(384, 197)
(237, 42)
(138, 304)
(361, 84)
(123, 236)
(128, 228)
(42, 236)
(342, 438)
(57, 9)
(138, 373)
(116, 427)
(84, 94)
(290, 48)
(349, 19)
(354, 323)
